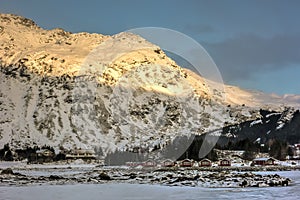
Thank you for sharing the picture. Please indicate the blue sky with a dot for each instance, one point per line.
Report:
(255, 44)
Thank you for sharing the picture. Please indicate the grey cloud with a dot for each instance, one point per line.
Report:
(240, 57)
(200, 28)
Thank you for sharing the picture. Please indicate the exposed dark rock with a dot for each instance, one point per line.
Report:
(196, 177)
(170, 175)
(7, 171)
(55, 177)
(285, 182)
(276, 176)
(171, 178)
(255, 185)
(271, 184)
(104, 176)
(132, 176)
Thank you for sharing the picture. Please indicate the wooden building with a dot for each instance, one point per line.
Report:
(168, 163)
(186, 163)
(263, 161)
(85, 154)
(205, 163)
(41, 156)
(149, 163)
(224, 163)
(133, 164)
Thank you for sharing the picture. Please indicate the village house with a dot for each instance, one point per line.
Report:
(263, 161)
(41, 156)
(85, 154)
(168, 163)
(205, 163)
(224, 163)
(235, 159)
(133, 164)
(186, 163)
(296, 151)
(149, 163)
(229, 153)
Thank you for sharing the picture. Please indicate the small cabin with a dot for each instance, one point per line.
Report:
(133, 164)
(45, 153)
(81, 154)
(224, 163)
(41, 156)
(168, 163)
(205, 163)
(149, 163)
(263, 161)
(186, 163)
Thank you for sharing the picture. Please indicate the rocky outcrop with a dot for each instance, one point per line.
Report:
(7, 171)
(194, 178)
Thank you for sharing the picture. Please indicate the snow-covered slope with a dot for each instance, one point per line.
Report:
(283, 126)
(85, 90)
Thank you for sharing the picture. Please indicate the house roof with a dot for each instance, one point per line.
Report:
(186, 160)
(150, 160)
(263, 159)
(43, 151)
(83, 151)
(168, 160)
(205, 159)
(225, 159)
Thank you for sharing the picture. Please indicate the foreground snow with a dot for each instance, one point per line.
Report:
(21, 174)
(112, 191)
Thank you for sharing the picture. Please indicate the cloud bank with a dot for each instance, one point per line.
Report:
(245, 55)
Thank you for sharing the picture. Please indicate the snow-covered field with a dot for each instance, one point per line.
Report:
(82, 181)
(148, 192)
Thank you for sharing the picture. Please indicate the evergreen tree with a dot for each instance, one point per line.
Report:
(248, 155)
(6, 147)
(290, 152)
(2, 152)
(8, 156)
(121, 157)
(278, 149)
(212, 155)
(181, 146)
(60, 156)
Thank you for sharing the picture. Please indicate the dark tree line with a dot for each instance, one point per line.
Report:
(28, 151)
(6, 153)
(189, 147)
(121, 157)
(276, 148)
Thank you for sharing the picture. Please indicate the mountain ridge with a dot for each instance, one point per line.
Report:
(121, 91)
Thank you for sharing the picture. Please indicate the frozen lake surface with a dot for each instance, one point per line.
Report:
(121, 191)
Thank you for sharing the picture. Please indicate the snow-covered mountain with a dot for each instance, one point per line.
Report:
(84, 90)
(283, 126)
